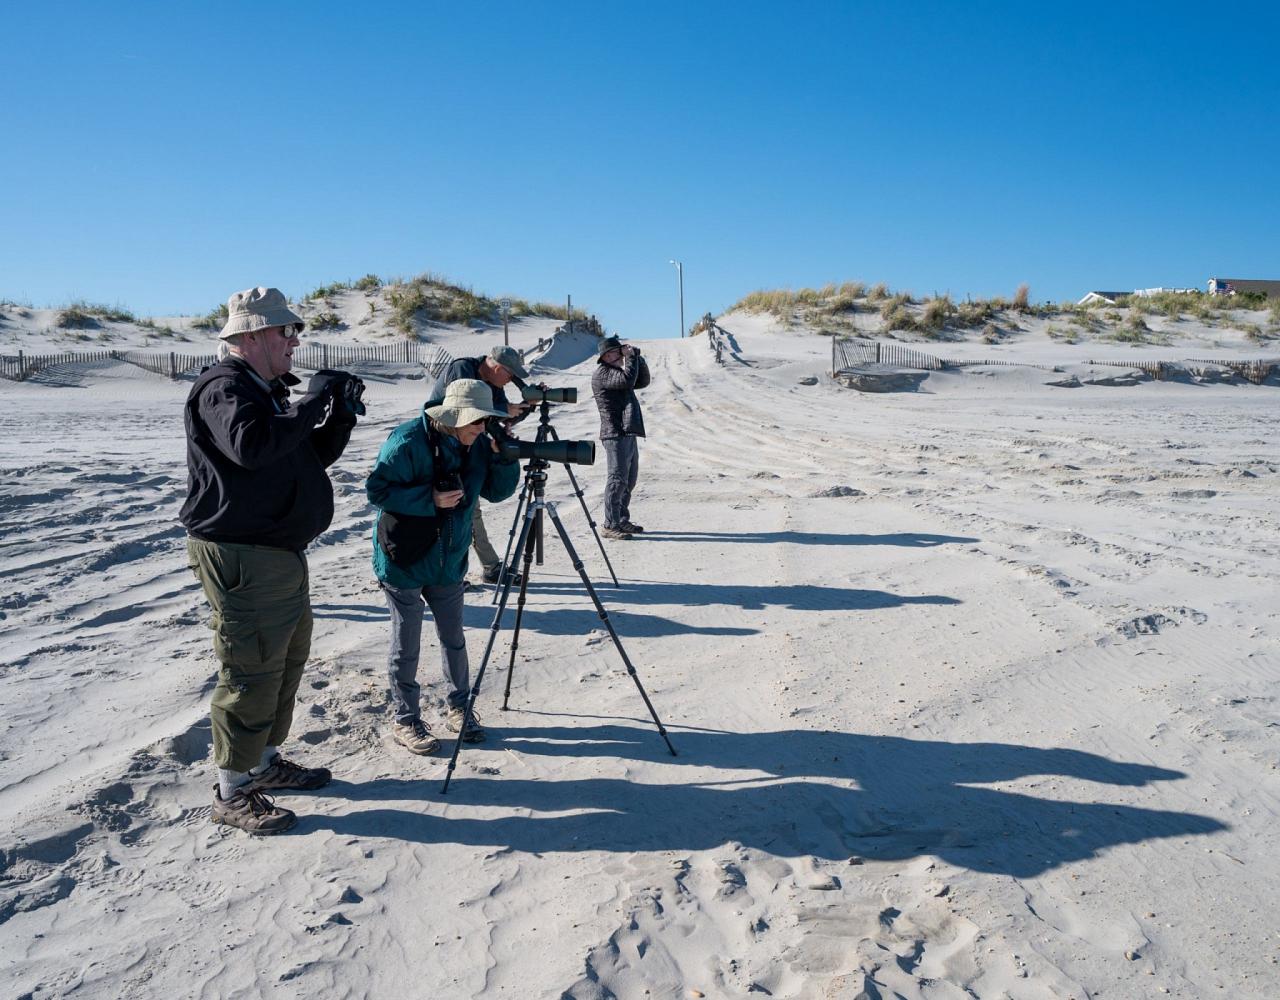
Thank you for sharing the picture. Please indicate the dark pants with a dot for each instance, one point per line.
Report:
(623, 454)
(261, 635)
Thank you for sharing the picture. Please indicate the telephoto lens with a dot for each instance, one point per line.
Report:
(559, 452)
(536, 394)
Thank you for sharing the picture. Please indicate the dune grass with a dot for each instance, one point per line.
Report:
(214, 319)
(81, 315)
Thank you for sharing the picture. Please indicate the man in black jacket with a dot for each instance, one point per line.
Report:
(620, 371)
(257, 495)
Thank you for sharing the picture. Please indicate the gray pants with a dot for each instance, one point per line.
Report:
(406, 641)
(623, 454)
(480, 540)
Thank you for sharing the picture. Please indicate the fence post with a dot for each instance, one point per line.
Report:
(324, 355)
(173, 367)
(22, 367)
(877, 352)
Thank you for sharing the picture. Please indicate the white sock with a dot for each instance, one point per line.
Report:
(268, 755)
(229, 781)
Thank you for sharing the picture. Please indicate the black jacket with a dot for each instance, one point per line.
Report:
(614, 388)
(465, 368)
(255, 465)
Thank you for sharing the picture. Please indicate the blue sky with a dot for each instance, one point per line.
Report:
(163, 155)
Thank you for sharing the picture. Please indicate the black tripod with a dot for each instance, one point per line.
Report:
(530, 539)
(545, 432)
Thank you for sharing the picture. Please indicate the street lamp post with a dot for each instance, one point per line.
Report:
(680, 276)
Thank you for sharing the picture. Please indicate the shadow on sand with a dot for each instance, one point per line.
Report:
(829, 794)
(561, 621)
(907, 539)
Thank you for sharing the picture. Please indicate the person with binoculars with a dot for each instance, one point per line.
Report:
(428, 479)
(620, 371)
(497, 369)
(257, 496)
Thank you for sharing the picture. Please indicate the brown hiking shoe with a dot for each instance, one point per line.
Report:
(414, 737)
(617, 533)
(473, 733)
(285, 775)
(251, 810)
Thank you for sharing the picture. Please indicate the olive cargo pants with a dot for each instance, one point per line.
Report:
(261, 635)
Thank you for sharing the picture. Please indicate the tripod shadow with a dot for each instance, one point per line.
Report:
(907, 539)
(801, 596)
(580, 622)
(899, 799)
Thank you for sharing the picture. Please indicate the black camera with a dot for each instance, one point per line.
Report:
(446, 482)
(537, 394)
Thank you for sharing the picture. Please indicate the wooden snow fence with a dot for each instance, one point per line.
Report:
(170, 364)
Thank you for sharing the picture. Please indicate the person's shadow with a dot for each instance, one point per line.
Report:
(906, 539)
(829, 794)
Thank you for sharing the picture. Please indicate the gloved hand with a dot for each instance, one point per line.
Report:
(327, 382)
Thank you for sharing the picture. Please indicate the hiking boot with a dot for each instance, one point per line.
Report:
(495, 576)
(474, 732)
(251, 810)
(285, 775)
(631, 529)
(618, 533)
(414, 737)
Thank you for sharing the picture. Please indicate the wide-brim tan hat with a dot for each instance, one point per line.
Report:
(258, 309)
(465, 401)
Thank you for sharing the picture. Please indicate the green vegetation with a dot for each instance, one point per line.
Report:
(369, 283)
(80, 315)
(158, 330)
(937, 313)
(429, 298)
(215, 319)
(326, 321)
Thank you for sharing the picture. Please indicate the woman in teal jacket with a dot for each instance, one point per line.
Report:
(429, 475)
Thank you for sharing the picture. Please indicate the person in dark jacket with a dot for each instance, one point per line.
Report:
(620, 371)
(430, 473)
(497, 369)
(257, 495)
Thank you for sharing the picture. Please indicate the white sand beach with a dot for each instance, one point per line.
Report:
(973, 690)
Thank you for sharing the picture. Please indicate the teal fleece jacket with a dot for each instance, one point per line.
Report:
(401, 482)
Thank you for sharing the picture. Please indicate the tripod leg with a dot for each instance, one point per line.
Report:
(511, 535)
(591, 521)
(484, 660)
(577, 491)
(524, 587)
(604, 617)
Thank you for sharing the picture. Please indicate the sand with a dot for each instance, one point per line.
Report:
(973, 690)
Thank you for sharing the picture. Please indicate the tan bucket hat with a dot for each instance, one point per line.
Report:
(257, 309)
(465, 400)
